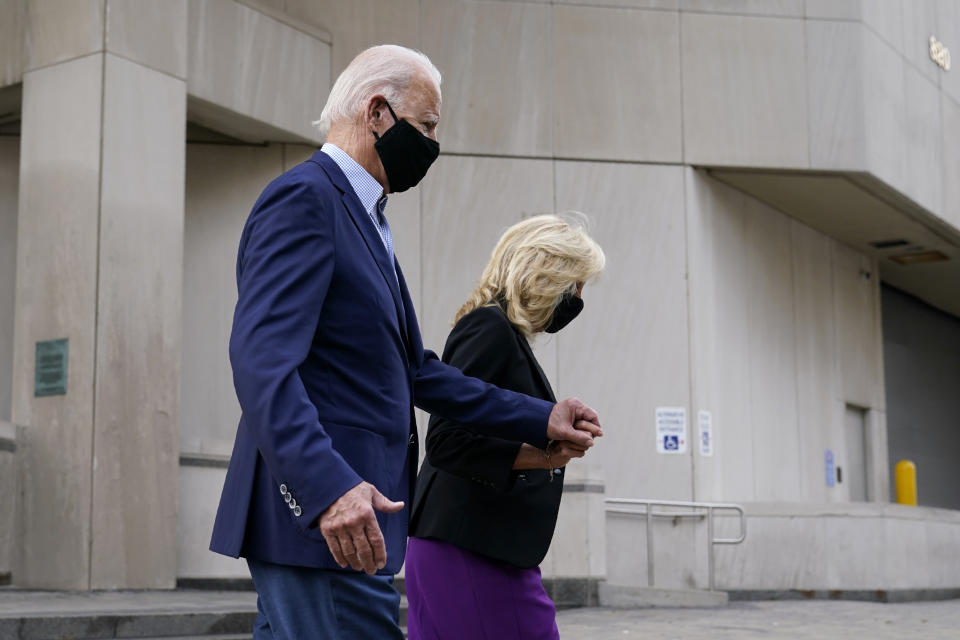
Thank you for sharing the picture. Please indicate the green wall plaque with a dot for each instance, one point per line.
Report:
(50, 376)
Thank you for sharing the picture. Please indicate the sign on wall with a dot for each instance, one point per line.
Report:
(705, 423)
(50, 372)
(671, 430)
(831, 468)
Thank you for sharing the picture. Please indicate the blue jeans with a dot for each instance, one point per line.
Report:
(298, 603)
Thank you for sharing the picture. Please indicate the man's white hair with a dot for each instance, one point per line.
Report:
(387, 69)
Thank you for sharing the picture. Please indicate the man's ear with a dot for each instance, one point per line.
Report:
(375, 112)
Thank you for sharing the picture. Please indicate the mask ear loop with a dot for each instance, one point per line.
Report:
(395, 119)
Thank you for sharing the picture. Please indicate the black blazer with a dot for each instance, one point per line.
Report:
(467, 492)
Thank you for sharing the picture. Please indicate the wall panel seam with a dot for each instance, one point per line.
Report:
(555, 158)
(96, 309)
(692, 421)
(791, 228)
(144, 65)
(746, 14)
(59, 62)
(683, 132)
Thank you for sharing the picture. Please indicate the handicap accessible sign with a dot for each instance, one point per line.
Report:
(671, 430)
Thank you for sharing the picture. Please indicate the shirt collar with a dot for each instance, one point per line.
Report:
(368, 190)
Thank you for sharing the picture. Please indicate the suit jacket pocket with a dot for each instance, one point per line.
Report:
(364, 451)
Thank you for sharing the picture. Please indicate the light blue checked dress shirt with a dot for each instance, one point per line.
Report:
(370, 192)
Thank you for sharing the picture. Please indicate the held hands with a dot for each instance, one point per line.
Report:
(350, 528)
(572, 427)
(556, 455)
(575, 422)
(559, 453)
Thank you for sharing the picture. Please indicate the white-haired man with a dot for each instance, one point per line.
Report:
(328, 364)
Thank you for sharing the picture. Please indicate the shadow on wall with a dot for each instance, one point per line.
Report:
(921, 350)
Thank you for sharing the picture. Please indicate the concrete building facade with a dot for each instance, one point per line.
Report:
(776, 185)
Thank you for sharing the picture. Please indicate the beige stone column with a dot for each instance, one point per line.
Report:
(100, 242)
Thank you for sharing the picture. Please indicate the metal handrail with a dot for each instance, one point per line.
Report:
(710, 507)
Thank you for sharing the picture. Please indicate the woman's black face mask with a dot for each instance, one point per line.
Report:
(566, 310)
(406, 153)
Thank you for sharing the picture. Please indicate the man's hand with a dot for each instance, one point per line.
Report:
(574, 421)
(350, 528)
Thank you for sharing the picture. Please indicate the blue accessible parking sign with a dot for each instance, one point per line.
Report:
(671, 425)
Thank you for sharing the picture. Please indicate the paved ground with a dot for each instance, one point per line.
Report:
(817, 619)
(144, 615)
(15, 602)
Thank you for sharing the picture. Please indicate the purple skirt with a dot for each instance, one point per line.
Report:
(457, 595)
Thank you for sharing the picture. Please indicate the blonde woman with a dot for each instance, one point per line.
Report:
(485, 509)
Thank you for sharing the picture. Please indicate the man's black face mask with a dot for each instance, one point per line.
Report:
(406, 153)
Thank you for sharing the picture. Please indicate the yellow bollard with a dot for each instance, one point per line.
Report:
(905, 479)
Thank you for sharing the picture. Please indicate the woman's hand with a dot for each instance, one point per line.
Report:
(557, 455)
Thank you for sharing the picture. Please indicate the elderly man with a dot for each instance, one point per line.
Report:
(328, 364)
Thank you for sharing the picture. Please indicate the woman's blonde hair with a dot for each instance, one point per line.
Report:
(535, 262)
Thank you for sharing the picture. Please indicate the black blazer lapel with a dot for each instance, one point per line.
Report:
(528, 351)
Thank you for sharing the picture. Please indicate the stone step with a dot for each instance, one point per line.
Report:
(131, 615)
(241, 636)
(132, 625)
(630, 597)
(52, 615)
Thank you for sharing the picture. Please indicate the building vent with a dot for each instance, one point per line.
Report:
(889, 244)
(907, 259)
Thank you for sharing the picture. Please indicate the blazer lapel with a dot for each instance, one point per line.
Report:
(528, 351)
(365, 226)
(377, 250)
(412, 335)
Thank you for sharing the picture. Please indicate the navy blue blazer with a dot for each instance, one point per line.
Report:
(328, 364)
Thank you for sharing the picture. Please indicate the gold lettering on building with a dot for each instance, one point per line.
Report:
(939, 54)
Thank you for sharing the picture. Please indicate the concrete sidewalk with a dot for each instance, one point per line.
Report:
(53, 615)
(185, 614)
(814, 619)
